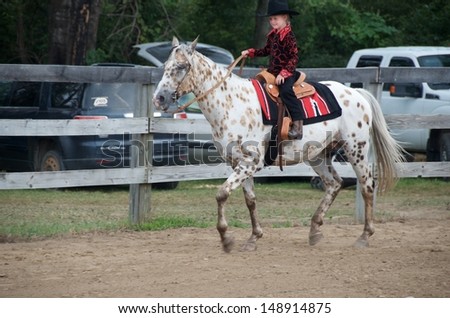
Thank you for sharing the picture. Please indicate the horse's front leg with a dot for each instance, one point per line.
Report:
(250, 200)
(222, 225)
(242, 172)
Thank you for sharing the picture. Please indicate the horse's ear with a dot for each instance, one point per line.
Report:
(175, 41)
(194, 43)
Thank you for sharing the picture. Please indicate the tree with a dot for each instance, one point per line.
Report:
(229, 24)
(22, 38)
(73, 30)
(330, 30)
(261, 25)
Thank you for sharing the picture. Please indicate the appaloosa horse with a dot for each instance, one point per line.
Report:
(234, 113)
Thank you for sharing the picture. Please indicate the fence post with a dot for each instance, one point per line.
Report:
(141, 150)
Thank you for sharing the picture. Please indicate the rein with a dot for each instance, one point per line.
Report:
(230, 70)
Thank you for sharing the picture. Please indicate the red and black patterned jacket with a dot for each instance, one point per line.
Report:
(282, 48)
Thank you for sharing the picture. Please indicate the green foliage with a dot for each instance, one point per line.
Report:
(96, 56)
(229, 24)
(331, 30)
(418, 22)
(328, 31)
(24, 34)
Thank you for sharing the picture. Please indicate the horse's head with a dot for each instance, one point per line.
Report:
(175, 81)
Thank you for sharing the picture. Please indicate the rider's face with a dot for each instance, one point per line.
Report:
(278, 21)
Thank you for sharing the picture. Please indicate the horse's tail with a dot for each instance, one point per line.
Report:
(387, 151)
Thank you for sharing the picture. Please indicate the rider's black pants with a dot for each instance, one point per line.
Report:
(288, 97)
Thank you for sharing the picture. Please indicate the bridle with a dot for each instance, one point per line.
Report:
(230, 70)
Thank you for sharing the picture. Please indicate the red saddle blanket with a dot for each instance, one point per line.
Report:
(320, 106)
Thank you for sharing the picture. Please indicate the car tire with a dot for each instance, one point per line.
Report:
(51, 161)
(165, 185)
(444, 149)
(316, 183)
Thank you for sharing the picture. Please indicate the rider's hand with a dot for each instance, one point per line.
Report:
(279, 80)
(244, 53)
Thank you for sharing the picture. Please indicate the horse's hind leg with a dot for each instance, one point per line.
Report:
(250, 200)
(357, 153)
(367, 186)
(333, 184)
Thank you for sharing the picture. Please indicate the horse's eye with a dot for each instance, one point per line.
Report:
(181, 66)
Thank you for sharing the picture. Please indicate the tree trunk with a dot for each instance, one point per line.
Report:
(21, 35)
(261, 24)
(73, 30)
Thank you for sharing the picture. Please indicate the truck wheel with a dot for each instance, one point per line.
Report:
(444, 147)
(316, 183)
(165, 185)
(51, 161)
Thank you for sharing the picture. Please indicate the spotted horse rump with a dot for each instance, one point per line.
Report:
(230, 105)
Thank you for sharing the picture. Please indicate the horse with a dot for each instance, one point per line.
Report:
(231, 107)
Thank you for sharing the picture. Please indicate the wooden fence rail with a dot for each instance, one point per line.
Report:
(143, 126)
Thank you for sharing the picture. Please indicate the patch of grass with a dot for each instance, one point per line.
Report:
(238, 224)
(42, 213)
(284, 224)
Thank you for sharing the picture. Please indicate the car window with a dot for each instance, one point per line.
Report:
(399, 61)
(66, 95)
(19, 94)
(215, 55)
(160, 52)
(157, 54)
(117, 96)
(369, 60)
(435, 60)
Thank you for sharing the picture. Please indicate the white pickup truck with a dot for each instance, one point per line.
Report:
(418, 99)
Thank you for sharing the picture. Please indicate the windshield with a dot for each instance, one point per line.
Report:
(436, 61)
(216, 55)
(162, 51)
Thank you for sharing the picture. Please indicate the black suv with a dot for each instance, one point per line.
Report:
(46, 100)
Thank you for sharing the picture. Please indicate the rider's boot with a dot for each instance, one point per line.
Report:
(296, 131)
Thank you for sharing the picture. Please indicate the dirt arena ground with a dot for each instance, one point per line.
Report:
(406, 258)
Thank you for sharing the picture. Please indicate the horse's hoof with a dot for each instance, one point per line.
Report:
(248, 247)
(227, 244)
(315, 238)
(361, 242)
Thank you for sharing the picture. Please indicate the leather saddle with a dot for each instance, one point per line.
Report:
(301, 88)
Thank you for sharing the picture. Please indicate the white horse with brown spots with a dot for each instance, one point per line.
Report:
(234, 113)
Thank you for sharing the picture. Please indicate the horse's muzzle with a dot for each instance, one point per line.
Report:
(163, 101)
(157, 100)
(160, 102)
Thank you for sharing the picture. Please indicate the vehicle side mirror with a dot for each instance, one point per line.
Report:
(406, 90)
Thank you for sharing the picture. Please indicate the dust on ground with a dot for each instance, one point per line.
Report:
(406, 258)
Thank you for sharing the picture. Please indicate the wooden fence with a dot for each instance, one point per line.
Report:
(143, 126)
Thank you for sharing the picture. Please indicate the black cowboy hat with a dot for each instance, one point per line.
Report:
(277, 7)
